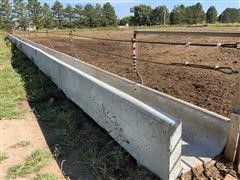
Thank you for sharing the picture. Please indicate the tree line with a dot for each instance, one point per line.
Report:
(43, 16)
(23, 14)
(180, 14)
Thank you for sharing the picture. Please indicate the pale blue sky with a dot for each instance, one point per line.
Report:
(122, 7)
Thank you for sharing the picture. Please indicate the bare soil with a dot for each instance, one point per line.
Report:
(209, 89)
(25, 128)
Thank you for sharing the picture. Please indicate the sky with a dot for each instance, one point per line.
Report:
(122, 7)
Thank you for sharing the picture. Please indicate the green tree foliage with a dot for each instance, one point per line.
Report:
(98, 15)
(89, 15)
(23, 13)
(109, 15)
(5, 8)
(160, 16)
(195, 14)
(127, 20)
(69, 14)
(187, 15)
(230, 15)
(58, 12)
(211, 15)
(178, 15)
(78, 12)
(19, 13)
(35, 12)
(142, 14)
(48, 21)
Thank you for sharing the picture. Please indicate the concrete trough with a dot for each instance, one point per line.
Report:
(166, 135)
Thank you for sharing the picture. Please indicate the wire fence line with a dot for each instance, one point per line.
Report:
(223, 69)
(187, 43)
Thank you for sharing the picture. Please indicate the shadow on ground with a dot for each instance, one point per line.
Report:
(82, 149)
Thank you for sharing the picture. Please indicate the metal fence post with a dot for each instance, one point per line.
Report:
(134, 54)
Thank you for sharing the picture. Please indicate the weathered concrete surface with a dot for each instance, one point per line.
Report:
(163, 133)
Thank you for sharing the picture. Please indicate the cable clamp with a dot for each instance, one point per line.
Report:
(187, 43)
(219, 45)
(216, 67)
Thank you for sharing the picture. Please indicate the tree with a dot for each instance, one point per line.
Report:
(5, 10)
(69, 14)
(58, 12)
(98, 14)
(78, 12)
(195, 14)
(178, 15)
(211, 15)
(141, 14)
(126, 20)
(89, 15)
(109, 15)
(19, 14)
(35, 12)
(160, 16)
(230, 15)
(47, 16)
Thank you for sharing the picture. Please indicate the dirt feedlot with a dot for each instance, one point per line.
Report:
(209, 89)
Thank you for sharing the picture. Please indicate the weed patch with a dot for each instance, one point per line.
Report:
(32, 164)
(11, 85)
(45, 177)
(3, 156)
(23, 143)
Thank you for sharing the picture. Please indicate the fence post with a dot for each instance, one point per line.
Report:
(232, 145)
(28, 34)
(134, 54)
(47, 32)
(238, 45)
(71, 40)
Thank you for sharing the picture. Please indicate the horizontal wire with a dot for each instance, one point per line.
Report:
(227, 45)
(199, 66)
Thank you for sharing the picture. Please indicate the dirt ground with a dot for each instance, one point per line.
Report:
(22, 129)
(209, 89)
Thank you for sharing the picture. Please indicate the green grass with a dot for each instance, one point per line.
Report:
(103, 163)
(224, 25)
(11, 84)
(5, 51)
(33, 164)
(23, 143)
(45, 177)
(3, 156)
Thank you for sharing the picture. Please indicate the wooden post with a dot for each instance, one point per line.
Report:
(232, 146)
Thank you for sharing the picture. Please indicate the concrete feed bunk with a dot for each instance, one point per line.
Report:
(164, 134)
